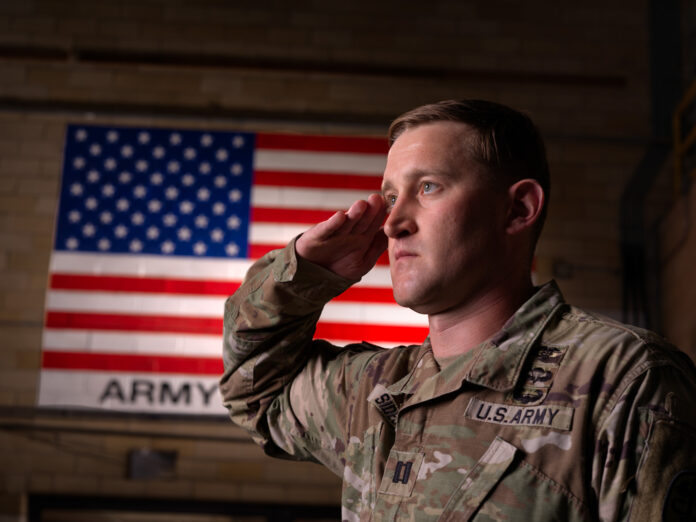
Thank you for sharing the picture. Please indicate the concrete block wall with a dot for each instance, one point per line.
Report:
(581, 71)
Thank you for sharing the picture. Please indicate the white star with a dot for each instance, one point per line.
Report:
(220, 181)
(199, 248)
(104, 244)
(238, 142)
(109, 163)
(76, 189)
(154, 205)
(95, 149)
(173, 167)
(157, 178)
(122, 204)
(221, 154)
(219, 208)
(167, 247)
(79, 162)
(217, 235)
(93, 176)
(108, 190)
(186, 207)
(143, 138)
(189, 153)
(91, 203)
(152, 232)
(88, 230)
(204, 168)
(187, 180)
(72, 243)
(175, 138)
(106, 217)
(137, 218)
(80, 134)
(127, 151)
(236, 169)
(233, 222)
(235, 195)
(232, 249)
(203, 194)
(136, 245)
(120, 231)
(74, 216)
(184, 233)
(169, 220)
(125, 177)
(171, 193)
(112, 136)
(206, 140)
(141, 165)
(139, 191)
(158, 152)
(201, 221)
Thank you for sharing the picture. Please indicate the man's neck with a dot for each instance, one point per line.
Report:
(457, 331)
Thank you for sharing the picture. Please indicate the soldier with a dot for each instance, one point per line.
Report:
(517, 406)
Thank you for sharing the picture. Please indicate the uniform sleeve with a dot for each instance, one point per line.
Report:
(290, 392)
(644, 467)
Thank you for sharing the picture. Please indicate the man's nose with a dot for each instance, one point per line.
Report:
(400, 220)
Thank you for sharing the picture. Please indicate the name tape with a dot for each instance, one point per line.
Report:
(558, 417)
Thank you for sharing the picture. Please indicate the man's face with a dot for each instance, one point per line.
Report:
(446, 225)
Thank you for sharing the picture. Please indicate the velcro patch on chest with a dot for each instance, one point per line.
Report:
(558, 417)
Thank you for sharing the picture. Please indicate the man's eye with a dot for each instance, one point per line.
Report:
(390, 199)
(428, 187)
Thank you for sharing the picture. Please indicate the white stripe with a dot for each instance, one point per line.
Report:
(138, 343)
(304, 198)
(145, 343)
(134, 303)
(213, 307)
(149, 266)
(329, 162)
(387, 314)
(274, 234)
(178, 267)
(83, 389)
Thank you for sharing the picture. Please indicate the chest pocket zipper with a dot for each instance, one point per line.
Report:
(479, 482)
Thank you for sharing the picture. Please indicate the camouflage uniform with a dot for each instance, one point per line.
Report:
(560, 416)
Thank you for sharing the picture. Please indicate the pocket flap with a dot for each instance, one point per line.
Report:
(480, 480)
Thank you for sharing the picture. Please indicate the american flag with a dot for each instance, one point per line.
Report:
(156, 227)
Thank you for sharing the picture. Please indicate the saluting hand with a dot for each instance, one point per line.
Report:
(348, 243)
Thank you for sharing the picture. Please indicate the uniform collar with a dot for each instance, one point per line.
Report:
(496, 363)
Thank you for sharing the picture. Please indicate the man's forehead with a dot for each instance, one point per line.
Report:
(440, 148)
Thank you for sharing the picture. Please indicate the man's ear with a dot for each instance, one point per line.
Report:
(526, 198)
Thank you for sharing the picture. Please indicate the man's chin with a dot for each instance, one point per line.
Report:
(412, 302)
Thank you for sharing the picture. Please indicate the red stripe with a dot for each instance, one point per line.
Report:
(353, 144)
(258, 250)
(118, 362)
(135, 323)
(289, 215)
(317, 180)
(213, 326)
(142, 284)
(153, 285)
(374, 333)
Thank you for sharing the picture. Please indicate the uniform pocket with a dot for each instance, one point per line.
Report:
(480, 481)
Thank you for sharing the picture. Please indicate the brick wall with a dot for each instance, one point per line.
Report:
(322, 67)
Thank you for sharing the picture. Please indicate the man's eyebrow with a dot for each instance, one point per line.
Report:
(420, 173)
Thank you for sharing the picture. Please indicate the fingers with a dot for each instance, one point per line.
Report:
(364, 217)
(378, 245)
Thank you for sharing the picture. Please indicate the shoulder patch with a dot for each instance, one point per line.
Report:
(547, 416)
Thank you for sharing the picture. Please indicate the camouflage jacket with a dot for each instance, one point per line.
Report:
(560, 416)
